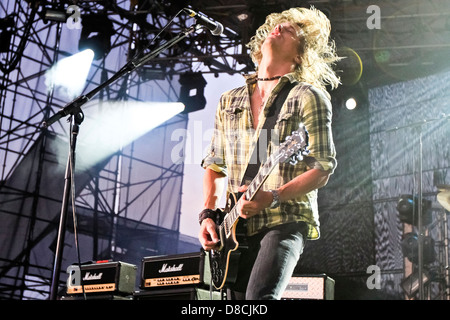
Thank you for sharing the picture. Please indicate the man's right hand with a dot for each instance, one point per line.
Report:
(208, 236)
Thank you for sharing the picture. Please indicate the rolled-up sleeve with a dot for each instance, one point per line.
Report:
(317, 118)
(215, 155)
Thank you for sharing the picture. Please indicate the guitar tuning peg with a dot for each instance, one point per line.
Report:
(293, 159)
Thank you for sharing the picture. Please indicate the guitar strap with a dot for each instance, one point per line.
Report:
(269, 124)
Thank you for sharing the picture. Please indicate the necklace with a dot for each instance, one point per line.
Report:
(268, 79)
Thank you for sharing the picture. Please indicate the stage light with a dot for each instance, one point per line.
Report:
(54, 15)
(69, 74)
(351, 103)
(411, 283)
(109, 126)
(192, 90)
(7, 25)
(408, 206)
(96, 35)
(410, 248)
(353, 97)
(151, 73)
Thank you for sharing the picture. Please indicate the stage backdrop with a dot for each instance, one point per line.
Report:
(379, 160)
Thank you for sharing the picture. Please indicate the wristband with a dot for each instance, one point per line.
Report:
(276, 199)
(205, 214)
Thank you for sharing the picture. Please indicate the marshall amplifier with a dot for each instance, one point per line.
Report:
(179, 293)
(311, 287)
(172, 271)
(105, 277)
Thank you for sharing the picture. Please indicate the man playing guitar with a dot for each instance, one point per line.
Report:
(290, 48)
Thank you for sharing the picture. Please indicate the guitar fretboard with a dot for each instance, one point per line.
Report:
(263, 173)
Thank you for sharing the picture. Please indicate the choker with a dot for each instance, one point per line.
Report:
(268, 79)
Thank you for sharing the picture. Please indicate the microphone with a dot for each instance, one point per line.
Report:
(215, 27)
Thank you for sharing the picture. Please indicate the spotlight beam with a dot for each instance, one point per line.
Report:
(74, 107)
(77, 66)
(106, 130)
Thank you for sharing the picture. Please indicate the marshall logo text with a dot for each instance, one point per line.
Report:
(95, 276)
(165, 268)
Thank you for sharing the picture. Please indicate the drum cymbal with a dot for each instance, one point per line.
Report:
(443, 198)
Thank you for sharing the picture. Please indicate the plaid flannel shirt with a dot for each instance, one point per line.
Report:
(234, 138)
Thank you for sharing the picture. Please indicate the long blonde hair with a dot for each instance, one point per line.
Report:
(317, 51)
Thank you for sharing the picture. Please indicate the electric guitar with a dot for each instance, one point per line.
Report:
(223, 260)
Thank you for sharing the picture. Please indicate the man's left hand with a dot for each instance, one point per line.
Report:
(249, 208)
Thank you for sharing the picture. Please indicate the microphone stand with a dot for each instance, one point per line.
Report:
(73, 109)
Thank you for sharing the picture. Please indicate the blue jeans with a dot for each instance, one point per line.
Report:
(267, 266)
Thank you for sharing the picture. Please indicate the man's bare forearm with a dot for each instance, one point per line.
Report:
(213, 187)
(304, 183)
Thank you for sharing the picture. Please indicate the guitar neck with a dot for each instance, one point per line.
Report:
(263, 173)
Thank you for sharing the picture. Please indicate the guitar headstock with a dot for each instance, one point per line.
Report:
(295, 146)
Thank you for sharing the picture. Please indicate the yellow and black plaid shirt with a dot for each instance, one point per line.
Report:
(234, 138)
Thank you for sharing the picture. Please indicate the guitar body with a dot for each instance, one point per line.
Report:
(224, 261)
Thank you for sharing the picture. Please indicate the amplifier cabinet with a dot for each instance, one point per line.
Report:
(106, 277)
(172, 271)
(311, 287)
(179, 293)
